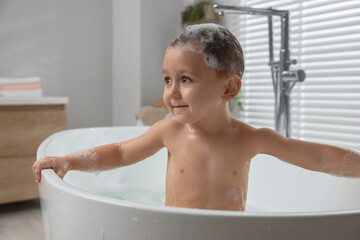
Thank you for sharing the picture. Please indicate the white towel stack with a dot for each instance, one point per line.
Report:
(20, 87)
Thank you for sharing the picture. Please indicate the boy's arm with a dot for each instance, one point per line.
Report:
(309, 155)
(119, 154)
(107, 156)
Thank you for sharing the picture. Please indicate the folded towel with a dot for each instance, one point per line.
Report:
(19, 86)
(19, 80)
(150, 114)
(159, 103)
(22, 93)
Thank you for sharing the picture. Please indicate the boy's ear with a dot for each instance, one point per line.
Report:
(232, 88)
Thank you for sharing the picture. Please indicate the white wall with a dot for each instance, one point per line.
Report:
(126, 61)
(160, 24)
(68, 44)
(106, 56)
(142, 32)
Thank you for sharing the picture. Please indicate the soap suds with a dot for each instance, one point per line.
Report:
(219, 48)
(53, 162)
(172, 184)
(195, 38)
(200, 35)
(348, 166)
(87, 158)
(197, 48)
(351, 162)
(233, 194)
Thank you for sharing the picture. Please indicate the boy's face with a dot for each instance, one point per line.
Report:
(193, 91)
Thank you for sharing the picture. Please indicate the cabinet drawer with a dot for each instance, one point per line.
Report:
(16, 179)
(23, 128)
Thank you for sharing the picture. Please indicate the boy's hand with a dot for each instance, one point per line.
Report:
(60, 165)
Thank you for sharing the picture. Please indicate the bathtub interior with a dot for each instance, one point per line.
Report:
(274, 186)
(143, 182)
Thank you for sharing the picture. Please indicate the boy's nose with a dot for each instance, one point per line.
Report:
(175, 91)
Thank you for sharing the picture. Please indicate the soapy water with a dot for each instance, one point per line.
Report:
(144, 196)
(148, 197)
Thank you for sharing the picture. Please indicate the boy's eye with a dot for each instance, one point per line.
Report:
(186, 80)
(167, 80)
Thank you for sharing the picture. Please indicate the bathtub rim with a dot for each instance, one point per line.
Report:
(52, 178)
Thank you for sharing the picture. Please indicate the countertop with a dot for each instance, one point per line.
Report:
(6, 101)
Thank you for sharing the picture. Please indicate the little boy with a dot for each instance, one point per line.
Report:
(209, 152)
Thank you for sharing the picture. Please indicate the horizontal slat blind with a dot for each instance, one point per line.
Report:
(325, 39)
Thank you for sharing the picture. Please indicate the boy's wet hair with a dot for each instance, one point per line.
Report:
(219, 47)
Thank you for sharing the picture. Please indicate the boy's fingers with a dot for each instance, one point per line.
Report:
(34, 169)
(36, 173)
(38, 179)
(47, 163)
(40, 165)
(61, 173)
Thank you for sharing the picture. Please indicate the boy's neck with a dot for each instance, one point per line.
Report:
(217, 122)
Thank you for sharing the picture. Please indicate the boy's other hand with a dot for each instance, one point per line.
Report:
(60, 165)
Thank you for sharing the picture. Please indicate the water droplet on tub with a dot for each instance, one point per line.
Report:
(136, 220)
(150, 235)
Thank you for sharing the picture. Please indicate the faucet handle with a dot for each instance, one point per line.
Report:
(293, 76)
(292, 61)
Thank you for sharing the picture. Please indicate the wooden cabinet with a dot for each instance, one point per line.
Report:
(24, 124)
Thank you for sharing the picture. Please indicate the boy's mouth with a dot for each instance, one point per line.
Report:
(179, 106)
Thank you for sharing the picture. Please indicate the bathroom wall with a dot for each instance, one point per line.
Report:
(126, 61)
(68, 44)
(158, 29)
(142, 32)
(106, 56)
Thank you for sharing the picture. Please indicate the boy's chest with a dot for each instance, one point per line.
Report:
(208, 159)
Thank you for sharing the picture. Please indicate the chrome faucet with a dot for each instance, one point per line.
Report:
(283, 79)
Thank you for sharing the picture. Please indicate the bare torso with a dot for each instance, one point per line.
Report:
(208, 171)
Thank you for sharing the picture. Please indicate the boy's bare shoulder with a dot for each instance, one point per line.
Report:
(267, 135)
(260, 139)
(167, 126)
(244, 129)
(167, 123)
(251, 136)
(247, 129)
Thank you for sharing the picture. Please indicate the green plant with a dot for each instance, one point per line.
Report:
(239, 103)
(235, 107)
(197, 13)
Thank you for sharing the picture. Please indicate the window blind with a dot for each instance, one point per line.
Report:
(325, 40)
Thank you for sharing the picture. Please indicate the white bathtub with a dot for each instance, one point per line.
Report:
(284, 201)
